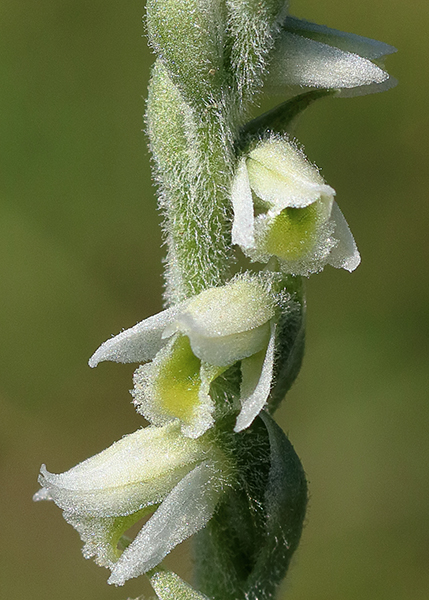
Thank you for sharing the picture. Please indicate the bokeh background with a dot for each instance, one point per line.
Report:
(81, 258)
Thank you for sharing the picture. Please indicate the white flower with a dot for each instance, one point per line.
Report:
(311, 55)
(299, 221)
(153, 470)
(190, 345)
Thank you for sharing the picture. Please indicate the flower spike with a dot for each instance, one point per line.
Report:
(214, 366)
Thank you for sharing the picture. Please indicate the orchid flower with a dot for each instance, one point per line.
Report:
(316, 56)
(190, 344)
(299, 221)
(153, 470)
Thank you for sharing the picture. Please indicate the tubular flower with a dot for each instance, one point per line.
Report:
(316, 56)
(190, 344)
(298, 222)
(153, 470)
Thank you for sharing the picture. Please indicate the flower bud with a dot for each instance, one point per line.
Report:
(169, 586)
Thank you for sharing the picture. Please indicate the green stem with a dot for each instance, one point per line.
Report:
(194, 157)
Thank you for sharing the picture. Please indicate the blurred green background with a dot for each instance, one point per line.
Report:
(81, 258)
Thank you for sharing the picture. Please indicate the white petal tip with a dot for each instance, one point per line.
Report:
(353, 262)
(242, 237)
(103, 353)
(345, 254)
(240, 425)
(42, 494)
(93, 362)
(114, 580)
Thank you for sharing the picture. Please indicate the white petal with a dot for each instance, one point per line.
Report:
(305, 62)
(242, 204)
(137, 471)
(137, 344)
(236, 307)
(226, 350)
(281, 175)
(227, 323)
(186, 510)
(256, 385)
(350, 42)
(345, 255)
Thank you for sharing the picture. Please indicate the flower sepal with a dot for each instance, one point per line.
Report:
(316, 56)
